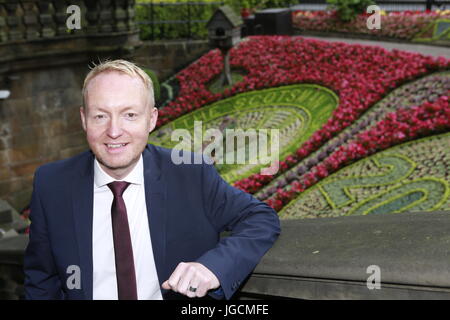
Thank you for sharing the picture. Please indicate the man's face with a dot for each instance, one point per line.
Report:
(118, 119)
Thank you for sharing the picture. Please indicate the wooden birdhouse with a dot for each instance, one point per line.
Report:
(224, 28)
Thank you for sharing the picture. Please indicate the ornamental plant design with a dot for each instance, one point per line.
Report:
(360, 75)
(413, 176)
(383, 98)
(397, 127)
(297, 111)
(428, 88)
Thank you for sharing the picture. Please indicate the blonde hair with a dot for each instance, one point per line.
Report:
(122, 66)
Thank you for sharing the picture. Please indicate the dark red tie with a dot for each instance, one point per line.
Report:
(126, 277)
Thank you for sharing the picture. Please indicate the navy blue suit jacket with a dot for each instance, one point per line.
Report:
(188, 206)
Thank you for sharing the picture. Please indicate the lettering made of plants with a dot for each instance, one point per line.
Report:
(296, 111)
(409, 177)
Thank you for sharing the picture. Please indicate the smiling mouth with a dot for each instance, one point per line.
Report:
(115, 145)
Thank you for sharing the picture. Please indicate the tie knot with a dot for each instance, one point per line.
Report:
(118, 187)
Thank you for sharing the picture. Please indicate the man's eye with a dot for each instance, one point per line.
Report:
(99, 116)
(131, 115)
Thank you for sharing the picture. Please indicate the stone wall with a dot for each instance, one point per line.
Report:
(12, 250)
(11, 282)
(39, 123)
(169, 57)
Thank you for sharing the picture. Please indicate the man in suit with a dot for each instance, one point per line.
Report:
(122, 221)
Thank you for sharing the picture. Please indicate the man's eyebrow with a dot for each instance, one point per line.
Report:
(122, 109)
(129, 107)
(95, 108)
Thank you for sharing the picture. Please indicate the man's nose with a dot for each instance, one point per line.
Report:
(114, 128)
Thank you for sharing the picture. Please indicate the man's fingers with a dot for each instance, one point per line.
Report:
(191, 275)
(174, 278)
(185, 280)
(202, 289)
(194, 285)
(166, 285)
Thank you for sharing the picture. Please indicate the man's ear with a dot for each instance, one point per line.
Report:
(153, 119)
(83, 118)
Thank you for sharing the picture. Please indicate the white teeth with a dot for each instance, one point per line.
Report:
(116, 145)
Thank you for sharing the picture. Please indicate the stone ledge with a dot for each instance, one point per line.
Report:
(326, 254)
(26, 55)
(326, 289)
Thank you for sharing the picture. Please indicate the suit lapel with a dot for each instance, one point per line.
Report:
(82, 202)
(155, 198)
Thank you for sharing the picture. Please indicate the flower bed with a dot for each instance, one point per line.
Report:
(297, 111)
(413, 176)
(275, 61)
(404, 25)
(428, 88)
(358, 89)
(397, 127)
(359, 75)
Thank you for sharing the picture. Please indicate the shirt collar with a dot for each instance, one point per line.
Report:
(136, 176)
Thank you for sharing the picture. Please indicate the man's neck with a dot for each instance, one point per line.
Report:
(119, 173)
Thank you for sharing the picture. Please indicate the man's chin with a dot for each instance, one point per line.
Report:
(116, 164)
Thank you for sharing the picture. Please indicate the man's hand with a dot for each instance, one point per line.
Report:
(191, 279)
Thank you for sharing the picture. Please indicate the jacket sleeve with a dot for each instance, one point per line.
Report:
(41, 277)
(254, 226)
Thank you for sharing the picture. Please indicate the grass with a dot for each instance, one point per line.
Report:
(215, 86)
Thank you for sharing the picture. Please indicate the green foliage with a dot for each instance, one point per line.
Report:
(179, 11)
(337, 191)
(380, 185)
(258, 4)
(216, 86)
(156, 86)
(348, 9)
(172, 13)
(293, 110)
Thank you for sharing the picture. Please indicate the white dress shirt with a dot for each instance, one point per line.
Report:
(104, 277)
